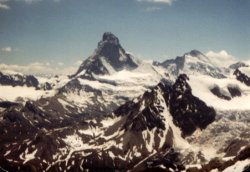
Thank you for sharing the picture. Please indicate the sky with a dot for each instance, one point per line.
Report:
(65, 32)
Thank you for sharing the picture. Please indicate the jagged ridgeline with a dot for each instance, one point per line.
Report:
(150, 124)
(120, 113)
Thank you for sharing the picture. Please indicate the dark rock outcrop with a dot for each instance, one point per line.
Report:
(231, 92)
(7, 104)
(188, 111)
(220, 93)
(235, 91)
(18, 80)
(242, 77)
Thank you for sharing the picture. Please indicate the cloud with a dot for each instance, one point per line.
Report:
(169, 2)
(29, 1)
(221, 58)
(7, 49)
(152, 9)
(34, 1)
(38, 68)
(3, 5)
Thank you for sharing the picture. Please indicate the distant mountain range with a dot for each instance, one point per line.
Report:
(120, 113)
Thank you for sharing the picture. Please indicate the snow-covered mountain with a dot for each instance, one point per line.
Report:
(139, 128)
(108, 78)
(192, 63)
(119, 113)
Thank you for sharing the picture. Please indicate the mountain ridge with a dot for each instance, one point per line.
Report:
(117, 113)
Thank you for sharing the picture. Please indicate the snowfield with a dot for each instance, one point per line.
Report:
(202, 84)
(9, 93)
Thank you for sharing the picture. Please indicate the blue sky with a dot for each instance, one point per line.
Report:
(67, 31)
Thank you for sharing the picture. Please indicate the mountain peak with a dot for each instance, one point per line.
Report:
(110, 37)
(194, 53)
(193, 61)
(109, 57)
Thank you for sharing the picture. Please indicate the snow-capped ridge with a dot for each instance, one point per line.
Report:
(193, 62)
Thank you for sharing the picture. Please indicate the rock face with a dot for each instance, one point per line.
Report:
(107, 58)
(242, 77)
(188, 111)
(192, 62)
(18, 80)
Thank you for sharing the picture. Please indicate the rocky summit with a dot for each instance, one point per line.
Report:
(108, 57)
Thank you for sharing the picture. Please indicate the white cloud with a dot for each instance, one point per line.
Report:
(152, 9)
(38, 68)
(3, 5)
(169, 2)
(7, 49)
(29, 1)
(34, 1)
(221, 58)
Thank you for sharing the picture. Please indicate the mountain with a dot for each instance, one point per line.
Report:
(137, 129)
(120, 113)
(109, 77)
(108, 58)
(190, 63)
(130, 78)
(18, 80)
(157, 130)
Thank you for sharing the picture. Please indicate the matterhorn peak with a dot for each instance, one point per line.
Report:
(110, 38)
(109, 57)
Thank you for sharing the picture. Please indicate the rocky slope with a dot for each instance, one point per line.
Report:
(138, 129)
